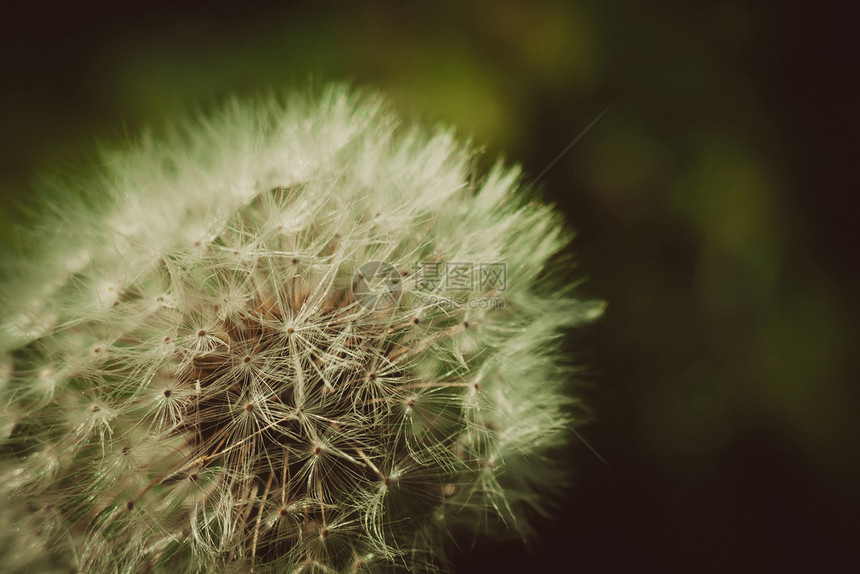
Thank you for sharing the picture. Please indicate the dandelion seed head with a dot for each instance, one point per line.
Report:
(200, 384)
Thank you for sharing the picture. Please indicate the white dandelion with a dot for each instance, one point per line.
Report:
(264, 343)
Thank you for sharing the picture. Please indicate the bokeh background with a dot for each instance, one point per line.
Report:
(711, 202)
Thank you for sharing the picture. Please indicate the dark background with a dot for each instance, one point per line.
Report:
(712, 203)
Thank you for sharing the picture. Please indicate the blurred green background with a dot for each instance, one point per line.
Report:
(708, 211)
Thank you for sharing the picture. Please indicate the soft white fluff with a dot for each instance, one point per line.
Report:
(190, 383)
